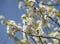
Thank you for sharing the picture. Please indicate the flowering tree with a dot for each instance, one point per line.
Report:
(41, 23)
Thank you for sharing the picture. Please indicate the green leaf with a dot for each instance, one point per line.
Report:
(26, 42)
(27, 3)
(50, 9)
(7, 22)
(36, 26)
(57, 14)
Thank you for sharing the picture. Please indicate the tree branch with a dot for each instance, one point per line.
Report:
(51, 4)
(33, 35)
(42, 36)
(46, 37)
(33, 40)
(41, 40)
(54, 21)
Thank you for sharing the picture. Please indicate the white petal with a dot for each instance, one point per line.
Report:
(32, 0)
(49, 43)
(2, 17)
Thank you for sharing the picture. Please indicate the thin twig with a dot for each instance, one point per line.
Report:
(33, 40)
(46, 37)
(54, 21)
(41, 40)
(52, 4)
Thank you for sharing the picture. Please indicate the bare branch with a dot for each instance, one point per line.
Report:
(51, 4)
(54, 21)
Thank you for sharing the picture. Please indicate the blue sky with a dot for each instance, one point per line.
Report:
(9, 8)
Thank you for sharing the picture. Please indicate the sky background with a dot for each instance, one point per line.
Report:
(9, 9)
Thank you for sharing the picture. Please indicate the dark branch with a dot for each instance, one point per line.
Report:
(46, 37)
(42, 36)
(41, 40)
(33, 40)
(52, 4)
(35, 36)
(54, 21)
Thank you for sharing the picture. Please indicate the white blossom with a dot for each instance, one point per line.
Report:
(12, 28)
(45, 17)
(24, 18)
(57, 35)
(10, 32)
(21, 5)
(30, 21)
(2, 17)
(53, 34)
(40, 28)
(26, 29)
(41, 4)
(49, 3)
(49, 43)
(52, 12)
(50, 25)
(32, 0)
(57, 29)
(34, 22)
(59, 20)
(54, 1)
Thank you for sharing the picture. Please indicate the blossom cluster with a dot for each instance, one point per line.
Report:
(38, 16)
